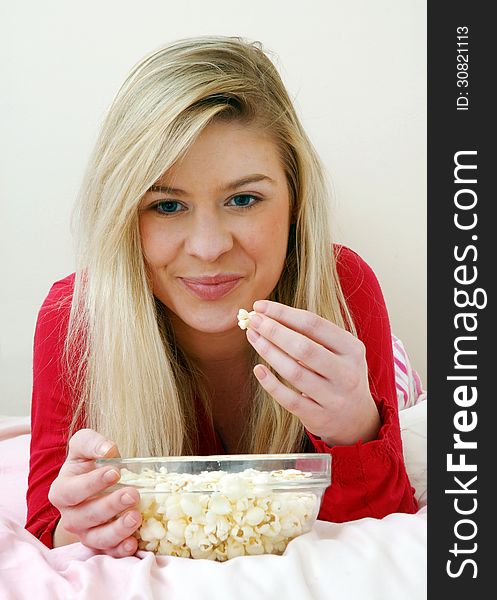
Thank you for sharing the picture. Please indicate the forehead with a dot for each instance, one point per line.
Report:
(227, 151)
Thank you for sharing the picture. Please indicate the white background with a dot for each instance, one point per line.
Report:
(355, 69)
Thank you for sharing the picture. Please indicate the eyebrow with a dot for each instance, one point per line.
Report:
(230, 186)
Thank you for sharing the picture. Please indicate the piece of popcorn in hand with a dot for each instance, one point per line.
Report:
(243, 317)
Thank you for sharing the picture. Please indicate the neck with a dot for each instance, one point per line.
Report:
(216, 354)
(224, 360)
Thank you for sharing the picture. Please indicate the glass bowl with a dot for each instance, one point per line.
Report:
(220, 507)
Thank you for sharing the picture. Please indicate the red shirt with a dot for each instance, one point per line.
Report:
(368, 480)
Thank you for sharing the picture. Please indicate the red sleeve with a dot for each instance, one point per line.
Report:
(50, 410)
(370, 479)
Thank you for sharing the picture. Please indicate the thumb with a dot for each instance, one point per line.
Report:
(87, 444)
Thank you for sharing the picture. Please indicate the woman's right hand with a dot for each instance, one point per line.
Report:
(104, 522)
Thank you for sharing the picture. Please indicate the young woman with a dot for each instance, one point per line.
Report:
(204, 196)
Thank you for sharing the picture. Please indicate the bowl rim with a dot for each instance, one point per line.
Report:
(217, 458)
(320, 477)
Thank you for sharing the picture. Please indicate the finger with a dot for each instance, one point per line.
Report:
(70, 490)
(100, 510)
(110, 535)
(320, 330)
(85, 446)
(306, 381)
(308, 352)
(127, 547)
(304, 408)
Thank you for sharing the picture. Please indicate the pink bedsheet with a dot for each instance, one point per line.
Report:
(370, 558)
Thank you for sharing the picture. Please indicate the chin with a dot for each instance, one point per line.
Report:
(212, 325)
(208, 318)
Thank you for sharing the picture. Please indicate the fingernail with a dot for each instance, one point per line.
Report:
(260, 306)
(104, 448)
(255, 321)
(127, 499)
(129, 520)
(110, 476)
(129, 545)
(259, 372)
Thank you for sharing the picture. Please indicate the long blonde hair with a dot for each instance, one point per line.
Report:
(132, 382)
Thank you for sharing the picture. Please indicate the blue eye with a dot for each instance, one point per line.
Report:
(167, 207)
(244, 201)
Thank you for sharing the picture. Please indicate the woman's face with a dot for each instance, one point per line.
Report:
(214, 228)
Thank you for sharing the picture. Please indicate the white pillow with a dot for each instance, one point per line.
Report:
(413, 431)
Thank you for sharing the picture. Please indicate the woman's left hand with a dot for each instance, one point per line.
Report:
(325, 363)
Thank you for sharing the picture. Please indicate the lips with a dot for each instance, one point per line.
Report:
(211, 287)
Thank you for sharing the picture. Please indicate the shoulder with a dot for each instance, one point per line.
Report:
(354, 272)
(60, 293)
(363, 294)
(61, 289)
(56, 307)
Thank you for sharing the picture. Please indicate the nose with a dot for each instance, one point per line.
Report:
(209, 237)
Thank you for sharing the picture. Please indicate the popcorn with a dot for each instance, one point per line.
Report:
(255, 546)
(271, 528)
(190, 505)
(176, 531)
(242, 534)
(233, 486)
(255, 515)
(217, 515)
(172, 506)
(152, 530)
(219, 504)
(243, 317)
(223, 527)
(290, 525)
(234, 549)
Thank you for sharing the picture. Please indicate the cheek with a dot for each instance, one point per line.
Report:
(267, 244)
(157, 247)
(275, 231)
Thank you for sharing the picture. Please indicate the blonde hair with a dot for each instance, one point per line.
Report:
(132, 382)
